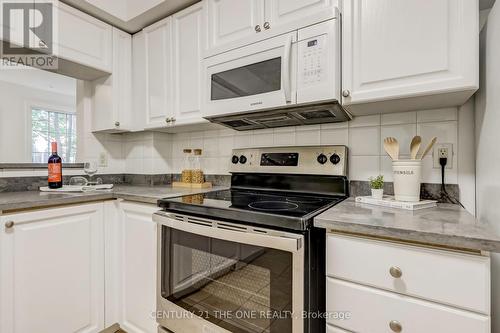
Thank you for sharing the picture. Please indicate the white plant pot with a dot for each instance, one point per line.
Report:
(407, 176)
(377, 193)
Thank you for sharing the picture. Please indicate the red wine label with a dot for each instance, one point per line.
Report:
(55, 173)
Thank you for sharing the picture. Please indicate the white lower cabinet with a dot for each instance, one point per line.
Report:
(393, 287)
(52, 270)
(377, 311)
(131, 266)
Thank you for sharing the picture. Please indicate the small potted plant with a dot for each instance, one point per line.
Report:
(377, 186)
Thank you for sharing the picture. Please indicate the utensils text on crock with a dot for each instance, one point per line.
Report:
(428, 148)
(391, 146)
(415, 146)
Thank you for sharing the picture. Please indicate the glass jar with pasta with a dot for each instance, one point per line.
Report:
(197, 172)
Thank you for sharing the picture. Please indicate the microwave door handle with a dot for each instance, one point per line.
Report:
(286, 69)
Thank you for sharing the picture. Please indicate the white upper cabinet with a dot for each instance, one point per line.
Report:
(232, 21)
(52, 270)
(112, 95)
(287, 12)
(393, 50)
(188, 44)
(83, 39)
(159, 104)
(235, 23)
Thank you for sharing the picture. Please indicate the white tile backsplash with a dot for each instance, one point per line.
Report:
(373, 120)
(399, 118)
(364, 141)
(154, 152)
(284, 136)
(363, 167)
(308, 135)
(403, 133)
(446, 114)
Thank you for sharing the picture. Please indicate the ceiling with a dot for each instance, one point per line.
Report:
(130, 15)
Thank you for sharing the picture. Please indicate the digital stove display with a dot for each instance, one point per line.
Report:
(279, 159)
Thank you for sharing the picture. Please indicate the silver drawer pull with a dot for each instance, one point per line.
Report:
(396, 272)
(396, 326)
(9, 224)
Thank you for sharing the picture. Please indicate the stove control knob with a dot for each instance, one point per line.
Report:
(322, 159)
(243, 159)
(335, 159)
(235, 159)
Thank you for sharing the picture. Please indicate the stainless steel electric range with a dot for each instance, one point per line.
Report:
(248, 259)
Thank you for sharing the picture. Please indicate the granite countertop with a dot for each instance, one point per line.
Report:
(146, 194)
(445, 225)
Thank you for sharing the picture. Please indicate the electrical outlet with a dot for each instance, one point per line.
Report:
(443, 150)
(103, 159)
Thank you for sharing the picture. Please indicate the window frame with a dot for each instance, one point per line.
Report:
(29, 120)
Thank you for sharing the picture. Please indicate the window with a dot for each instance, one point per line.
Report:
(48, 126)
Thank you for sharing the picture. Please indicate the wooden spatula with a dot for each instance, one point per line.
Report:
(391, 146)
(428, 148)
(415, 146)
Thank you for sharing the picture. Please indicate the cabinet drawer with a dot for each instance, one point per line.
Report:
(372, 310)
(447, 277)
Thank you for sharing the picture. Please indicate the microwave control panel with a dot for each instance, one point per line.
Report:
(318, 62)
(312, 53)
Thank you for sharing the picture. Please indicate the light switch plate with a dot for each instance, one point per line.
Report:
(440, 148)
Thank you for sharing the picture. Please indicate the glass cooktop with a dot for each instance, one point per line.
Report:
(260, 207)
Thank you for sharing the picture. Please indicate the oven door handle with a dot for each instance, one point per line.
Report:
(286, 69)
(229, 231)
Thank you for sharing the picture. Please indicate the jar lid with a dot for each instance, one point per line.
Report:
(197, 151)
(187, 151)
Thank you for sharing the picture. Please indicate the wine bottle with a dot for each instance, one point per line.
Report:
(55, 168)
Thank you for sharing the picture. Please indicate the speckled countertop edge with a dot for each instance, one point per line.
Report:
(446, 225)
(13, 201)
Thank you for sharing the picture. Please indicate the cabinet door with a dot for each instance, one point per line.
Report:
(394, 49)
(136, 258)
(294, 14)
(188, 45)
(158, 73)
(111, 109)
(139, 87)
(84, 39)
(52, 271)
(231, 21)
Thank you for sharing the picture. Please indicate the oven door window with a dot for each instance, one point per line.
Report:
(241, 288)
(254, 79)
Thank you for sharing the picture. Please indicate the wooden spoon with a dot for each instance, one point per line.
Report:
(428, 148)
(391, 146)
(415, 146)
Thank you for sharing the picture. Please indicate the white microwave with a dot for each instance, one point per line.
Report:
(302, 66)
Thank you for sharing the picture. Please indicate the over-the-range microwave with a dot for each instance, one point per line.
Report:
(298, 68)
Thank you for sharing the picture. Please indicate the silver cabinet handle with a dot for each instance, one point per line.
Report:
(267, 25)
(117, 124)
(257, 28)
(346, 93)
(396, 272)
(9, 224)
(396, 326)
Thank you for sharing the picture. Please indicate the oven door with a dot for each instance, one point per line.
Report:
(221, 277)
(257, 76)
